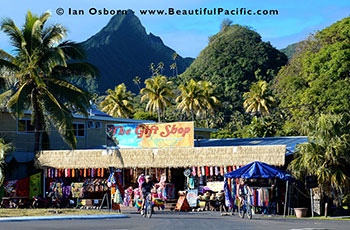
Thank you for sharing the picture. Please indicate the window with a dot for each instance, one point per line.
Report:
(199, 137)
(24, 126)
(91, 125)
(79, 129)
(98, 125)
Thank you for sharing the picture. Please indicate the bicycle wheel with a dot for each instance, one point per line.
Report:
(249, 211)
(149, 211)
(241, 210)
(144, 211)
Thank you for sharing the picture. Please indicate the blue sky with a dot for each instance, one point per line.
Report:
(188, 35)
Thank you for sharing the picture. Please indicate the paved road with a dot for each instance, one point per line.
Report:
(181, 221)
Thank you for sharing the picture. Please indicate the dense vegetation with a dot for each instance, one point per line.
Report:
(317, 78)
(234, 59)
(290, 50)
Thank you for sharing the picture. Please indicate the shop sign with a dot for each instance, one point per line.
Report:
(192, 197)
(152, 135)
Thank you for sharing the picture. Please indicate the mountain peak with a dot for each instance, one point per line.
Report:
(122, 50)
(117, 24)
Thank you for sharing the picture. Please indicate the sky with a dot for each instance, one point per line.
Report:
(188, 35)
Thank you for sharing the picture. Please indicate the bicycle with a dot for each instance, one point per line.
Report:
(148, 206)
(245, 208)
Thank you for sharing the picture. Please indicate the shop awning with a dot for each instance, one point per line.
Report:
(258, 170)
(20, 157)
(163, 157)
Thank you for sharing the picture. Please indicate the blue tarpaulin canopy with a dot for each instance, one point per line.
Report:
(258, 170)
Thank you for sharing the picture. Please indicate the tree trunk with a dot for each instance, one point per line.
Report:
(176, 70)
(37, 124)
(158, 115)
(206, 119)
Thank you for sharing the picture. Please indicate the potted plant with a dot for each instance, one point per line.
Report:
(300, 212)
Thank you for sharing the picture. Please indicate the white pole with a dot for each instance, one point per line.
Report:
(312, 203)
(285, 200)
(44, 182)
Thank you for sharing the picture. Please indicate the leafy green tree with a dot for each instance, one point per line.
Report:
(316, 80)
(258, 99)
(141, 115)
(118, 102)
(326, 155)
(5, 148)
(159, 94)
(262, 127)
(225, 23)
(41, 64)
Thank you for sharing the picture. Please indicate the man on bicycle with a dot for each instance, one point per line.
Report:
(146, 188)
(242, 191)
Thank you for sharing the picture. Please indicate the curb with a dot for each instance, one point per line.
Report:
(64, 217)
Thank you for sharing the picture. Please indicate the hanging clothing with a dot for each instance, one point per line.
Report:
(206, 170)
(221, 170)
(203, 171)
(23, 187)
(194, 171)
(35, 185)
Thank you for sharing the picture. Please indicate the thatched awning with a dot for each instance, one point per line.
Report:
(163, 158)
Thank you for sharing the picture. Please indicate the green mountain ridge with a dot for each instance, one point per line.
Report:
(123, 49)
(290, 50)
(234, 59)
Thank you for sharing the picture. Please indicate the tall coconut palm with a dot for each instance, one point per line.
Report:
(211, 102)
(326, 155)
(118, 102)
(153, 69)
(160, 67)
(159, 93)
(174, 57)
(191, 99)
(40, 67)
(258, 99)
(173, 67)
(137, 81)
(4, 149)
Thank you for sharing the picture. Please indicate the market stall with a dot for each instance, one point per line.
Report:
(266, 191)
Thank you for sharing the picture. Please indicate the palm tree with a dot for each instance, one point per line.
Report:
(137, 81)
(153, 69)
(159, 93)
(118, 102)
(4, 149)
(40, 67)
(174, 57)
(211, 102)
(258, 99)
(161, 67)
(191, 100)
(326, 155)
(173, 67)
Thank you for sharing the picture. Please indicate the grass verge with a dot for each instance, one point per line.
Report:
(7, 212)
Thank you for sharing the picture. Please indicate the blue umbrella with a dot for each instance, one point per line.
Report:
(258, 170)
